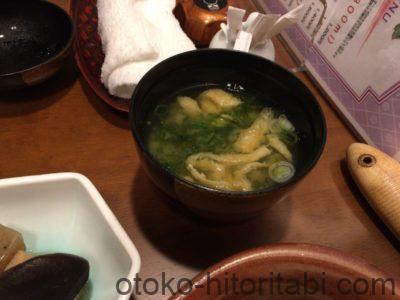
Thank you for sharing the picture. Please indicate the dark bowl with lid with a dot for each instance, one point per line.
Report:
(219, 67)
(35, 40)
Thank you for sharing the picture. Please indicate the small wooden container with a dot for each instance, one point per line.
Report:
(201, 19)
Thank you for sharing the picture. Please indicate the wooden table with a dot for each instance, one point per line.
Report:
(61, 126)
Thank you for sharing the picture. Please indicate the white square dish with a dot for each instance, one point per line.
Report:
(65, 213)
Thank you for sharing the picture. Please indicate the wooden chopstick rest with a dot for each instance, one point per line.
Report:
(378, 177)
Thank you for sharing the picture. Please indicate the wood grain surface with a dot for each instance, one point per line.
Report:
(61, 126)
(378, 177)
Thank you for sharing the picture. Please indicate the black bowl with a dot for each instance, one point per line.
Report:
(35, 39)
(281, 89)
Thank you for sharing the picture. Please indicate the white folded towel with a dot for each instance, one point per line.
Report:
(136, 35)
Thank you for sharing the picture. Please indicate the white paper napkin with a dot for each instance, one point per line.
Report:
(259, 27)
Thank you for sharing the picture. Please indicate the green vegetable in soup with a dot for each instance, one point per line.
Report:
(223, 141)
(281, 171)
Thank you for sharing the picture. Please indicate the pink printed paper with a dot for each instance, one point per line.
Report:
(356, 59)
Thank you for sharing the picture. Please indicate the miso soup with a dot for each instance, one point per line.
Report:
(222, 139)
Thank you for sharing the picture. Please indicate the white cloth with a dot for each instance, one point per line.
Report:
(136, 35)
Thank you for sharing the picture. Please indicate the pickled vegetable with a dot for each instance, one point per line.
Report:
(47, 277)
(19, 258)
(10, 243)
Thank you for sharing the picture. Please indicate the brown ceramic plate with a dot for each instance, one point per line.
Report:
(305, 272)
(88, 50)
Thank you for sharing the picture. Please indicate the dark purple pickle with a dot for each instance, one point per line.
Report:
(54, 276)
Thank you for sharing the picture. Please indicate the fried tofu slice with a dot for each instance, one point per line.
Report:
(190, 106)
(216, 101)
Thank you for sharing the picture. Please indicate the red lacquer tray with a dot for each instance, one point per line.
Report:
(88, 50)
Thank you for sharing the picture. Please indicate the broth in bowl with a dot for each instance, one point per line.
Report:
(223, 138)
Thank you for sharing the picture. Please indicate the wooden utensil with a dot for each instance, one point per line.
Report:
(378, 177)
